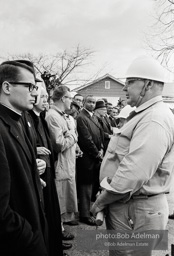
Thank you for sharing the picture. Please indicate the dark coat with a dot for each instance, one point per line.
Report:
(23, 226)
(107, 130)
(90, 141)
(114, 122)
(51, 203)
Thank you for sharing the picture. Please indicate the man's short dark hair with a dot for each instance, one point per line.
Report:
(26, 64)
(78, 94)
(59, 92)
(88, 96)
(8, 73)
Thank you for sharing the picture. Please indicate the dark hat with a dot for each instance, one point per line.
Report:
(100, 104)
(75, 104)
(23, 64)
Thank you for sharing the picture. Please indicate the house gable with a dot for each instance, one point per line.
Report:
(105, 87)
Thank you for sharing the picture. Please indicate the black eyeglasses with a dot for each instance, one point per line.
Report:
(30, 86)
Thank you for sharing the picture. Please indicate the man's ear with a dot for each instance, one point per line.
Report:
(6, 87)
(149, 85)
(63, 99)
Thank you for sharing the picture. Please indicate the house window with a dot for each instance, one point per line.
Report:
(107, 84)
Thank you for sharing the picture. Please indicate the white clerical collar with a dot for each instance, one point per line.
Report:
(11, 109)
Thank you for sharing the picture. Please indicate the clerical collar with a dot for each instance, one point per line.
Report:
(11, 109)
(14, 114)
(36, 113)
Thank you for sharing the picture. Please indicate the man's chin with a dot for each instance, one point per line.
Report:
(30, 106)
(130, 103)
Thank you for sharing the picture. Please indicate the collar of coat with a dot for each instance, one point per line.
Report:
(5, 110)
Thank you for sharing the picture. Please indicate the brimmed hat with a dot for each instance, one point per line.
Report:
(23, 64)
(100, 104)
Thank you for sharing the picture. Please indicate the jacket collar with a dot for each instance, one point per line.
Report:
(90, 113)
(58, 110)
(12, 120)
(148, 103)
(10, 112)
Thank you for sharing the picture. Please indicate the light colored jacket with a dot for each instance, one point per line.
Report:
(64, 137)
(139, 158)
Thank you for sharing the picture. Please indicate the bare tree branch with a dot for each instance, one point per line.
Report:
(161, 36)
(60, 68)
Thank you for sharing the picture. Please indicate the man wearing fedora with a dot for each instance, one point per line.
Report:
(101, 112)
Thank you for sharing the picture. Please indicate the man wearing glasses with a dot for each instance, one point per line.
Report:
(23, 227)
(138, 165)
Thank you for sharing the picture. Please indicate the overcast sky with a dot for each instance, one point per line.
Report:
(113, 29)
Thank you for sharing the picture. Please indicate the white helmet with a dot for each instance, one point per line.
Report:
(146, 67)
(124, 113)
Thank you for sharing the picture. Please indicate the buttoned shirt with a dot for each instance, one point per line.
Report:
(140, 157)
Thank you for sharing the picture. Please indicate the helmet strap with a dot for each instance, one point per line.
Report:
(142, 93)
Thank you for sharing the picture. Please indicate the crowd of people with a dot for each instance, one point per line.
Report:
(62, 163)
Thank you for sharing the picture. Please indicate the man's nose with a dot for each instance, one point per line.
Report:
(34, 92)
(125, 88)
